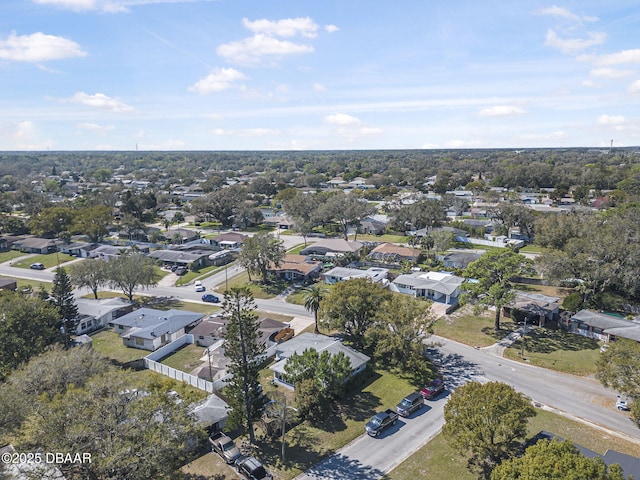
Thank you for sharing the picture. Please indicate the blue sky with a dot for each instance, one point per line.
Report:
(324, 74)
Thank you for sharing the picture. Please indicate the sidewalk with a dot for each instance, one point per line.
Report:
(498, 348)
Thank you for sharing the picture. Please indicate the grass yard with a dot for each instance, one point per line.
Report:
(109, 344)
(10, 255)
(381, 238)
(259, 291)
(185, 359)
(307, 444)
(209, 467)
(34, 285)
(477, 331)
(549, 290)
(296, 250)
(557, 350)
(438, 460)
(49, 260)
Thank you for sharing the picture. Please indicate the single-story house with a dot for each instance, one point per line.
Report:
(210, 330)
(78, 249)
(150, 329)
(38, 245)
(8, 284)
(281, 222)
(95, 314)
(296, 268)
(332, 247)
(459, 260)
(211, 413)
(537, 308)
(220, 258)
(388, 252)
(320, 343)
(440, 287)
(602, 326)
(182, 258)
(340, 274)
(374, 224)
(229, 240)
(108, 252)
(184, 234)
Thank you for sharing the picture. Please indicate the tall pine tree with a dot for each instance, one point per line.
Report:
(62, 298)
(243, 351)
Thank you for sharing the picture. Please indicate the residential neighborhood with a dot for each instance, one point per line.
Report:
(352, 299)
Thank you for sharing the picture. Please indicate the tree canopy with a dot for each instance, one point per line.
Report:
(490, 277)
(486, 422)
(555, 460)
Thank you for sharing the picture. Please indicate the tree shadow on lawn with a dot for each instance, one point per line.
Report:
(546, 340)
(506, 328)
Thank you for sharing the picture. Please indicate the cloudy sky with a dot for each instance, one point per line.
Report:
(323, 74)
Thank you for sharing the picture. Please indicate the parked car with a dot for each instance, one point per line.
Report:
(180, 271)
(409, 404)
(251, 469)
(224, 446)
(210, 297)
(199, 286)
(37, 266)
(433, 389)
(380, 421)
(621, 404)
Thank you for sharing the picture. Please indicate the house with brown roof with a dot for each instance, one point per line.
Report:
(390, 253)
(229, 240)
(296, 268)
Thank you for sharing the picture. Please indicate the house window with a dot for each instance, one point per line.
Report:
(139, 341)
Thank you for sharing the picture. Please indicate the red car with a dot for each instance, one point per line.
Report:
(433, 389)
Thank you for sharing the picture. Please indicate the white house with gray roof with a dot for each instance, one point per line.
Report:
(340, 274)
(150, 329)
(94, 314)
(319, 343)
(602, 326)
(440, 287)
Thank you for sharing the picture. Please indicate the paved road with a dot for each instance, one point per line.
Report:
(579, 398)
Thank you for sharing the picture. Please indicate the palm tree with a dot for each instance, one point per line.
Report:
(312, 299)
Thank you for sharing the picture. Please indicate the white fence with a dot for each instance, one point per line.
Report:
(150, 361)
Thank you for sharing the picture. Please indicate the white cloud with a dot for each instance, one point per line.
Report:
(341, 119)
(574, 45)
(38, 47)
(331, 28)
(624, 56)
(282, 88)
(370, 130)
(609, 73)
(501, 111)
(634, 88)
(218, 80)
(100, 100)
(610, 120)
(318, 87)
(589, 84)
(556, 11)
(94, 127)
(287, 27)
(252, 49)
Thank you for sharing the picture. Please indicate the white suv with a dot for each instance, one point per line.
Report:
(199, 286)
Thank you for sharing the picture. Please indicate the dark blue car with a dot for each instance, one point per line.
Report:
(209, 297)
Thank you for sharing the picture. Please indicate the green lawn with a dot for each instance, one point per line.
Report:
(49, 260)
(382, 238)
(109, 344)
(474, 330)
(296, 250)
(307, 444)
(10, 255)
(258, 290)
(185, 359)
(557, 350)
(438, 460)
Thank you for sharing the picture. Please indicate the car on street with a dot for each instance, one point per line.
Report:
(409, 404)
(433, 389)
(381, 421)
(621, 404)
(210, 297)
(199, 286)
(37, 266)
(251, 469)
